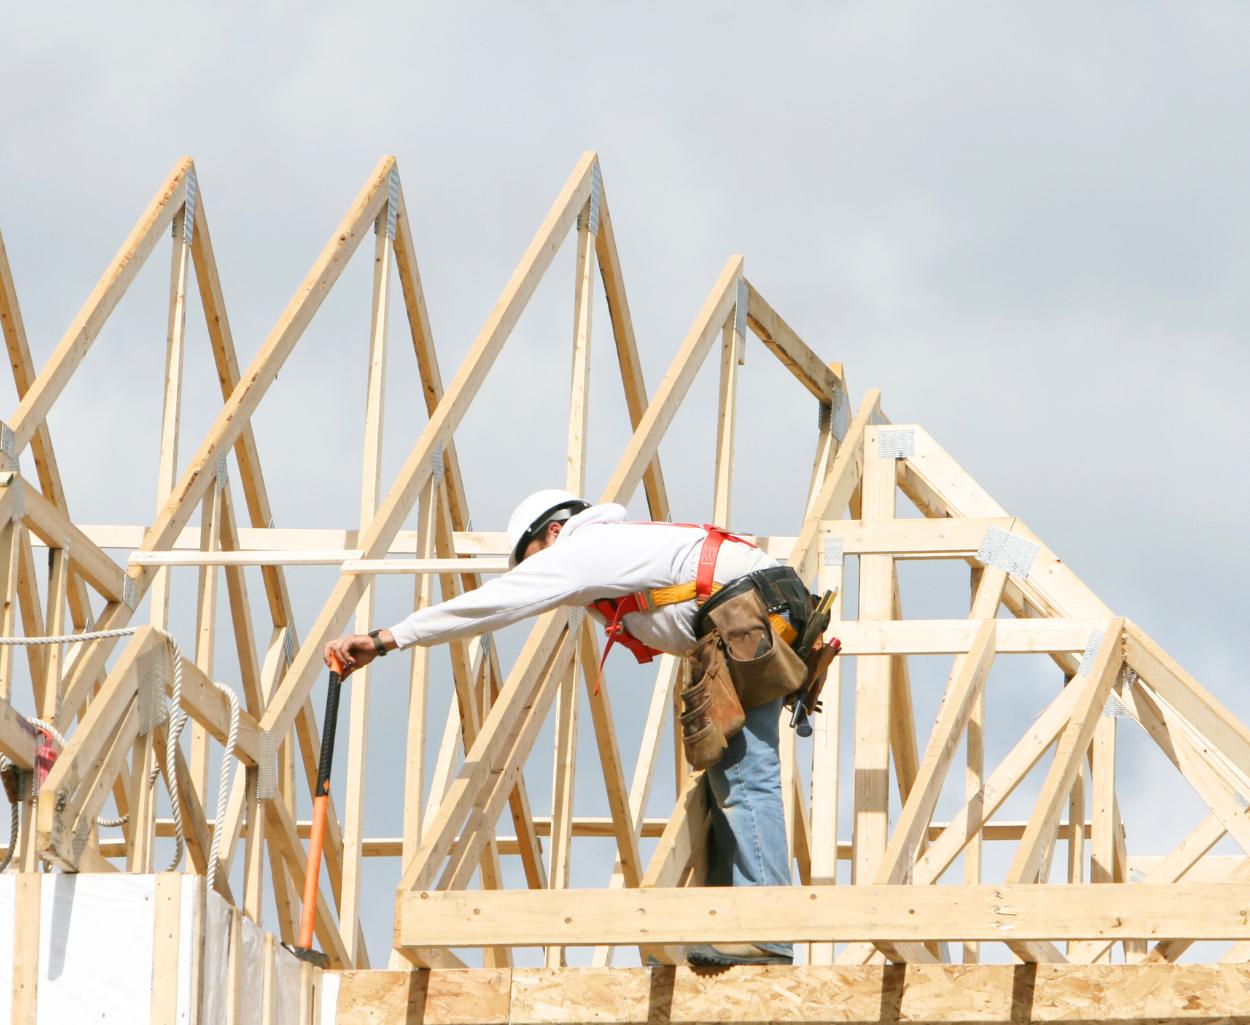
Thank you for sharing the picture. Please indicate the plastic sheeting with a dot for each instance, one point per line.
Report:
(97, 962)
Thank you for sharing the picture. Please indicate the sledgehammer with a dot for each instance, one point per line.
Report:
(303, 948)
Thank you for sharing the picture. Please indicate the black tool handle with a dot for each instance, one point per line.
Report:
(327, 733)
(799, 721)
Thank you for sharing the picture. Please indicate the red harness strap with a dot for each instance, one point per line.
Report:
(614, 609)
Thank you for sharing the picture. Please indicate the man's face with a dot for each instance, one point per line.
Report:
(544, 540)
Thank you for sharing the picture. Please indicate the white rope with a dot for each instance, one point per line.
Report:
(177, 720)
(9, 768)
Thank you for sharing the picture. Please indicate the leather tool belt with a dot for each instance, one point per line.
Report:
(743, 658)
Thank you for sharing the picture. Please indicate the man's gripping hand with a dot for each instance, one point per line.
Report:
(355, 651)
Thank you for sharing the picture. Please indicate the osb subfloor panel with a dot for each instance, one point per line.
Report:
(949, 994)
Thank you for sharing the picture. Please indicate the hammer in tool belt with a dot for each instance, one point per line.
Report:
(303, 948)
(817, 653)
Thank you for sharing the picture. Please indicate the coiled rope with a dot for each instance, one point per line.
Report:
(177, 720)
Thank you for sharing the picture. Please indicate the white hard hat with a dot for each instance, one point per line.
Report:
(534, 513)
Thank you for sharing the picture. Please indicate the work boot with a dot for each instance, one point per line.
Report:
(734, 953)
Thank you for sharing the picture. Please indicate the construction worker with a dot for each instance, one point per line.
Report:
(691, 591)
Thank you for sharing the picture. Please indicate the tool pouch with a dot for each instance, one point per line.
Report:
(762, 667)
(711, 711)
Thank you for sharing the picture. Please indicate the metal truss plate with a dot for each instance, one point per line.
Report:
(833, 551)
(1091, 650)
(896, 442)
(392, 202)
(266, 766)
(1009, 552)
(740, 308)
(150, 700)
(1116, 709)
(188, 211)
(130, 593)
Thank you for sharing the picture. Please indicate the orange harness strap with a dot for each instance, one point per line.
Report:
(614, 609)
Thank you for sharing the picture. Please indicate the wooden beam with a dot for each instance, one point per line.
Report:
(75, 343)
(817, 377)
(779, 914)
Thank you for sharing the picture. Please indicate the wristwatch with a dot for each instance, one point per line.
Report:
(379, 648)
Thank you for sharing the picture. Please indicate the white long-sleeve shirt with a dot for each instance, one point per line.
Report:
(597, 554)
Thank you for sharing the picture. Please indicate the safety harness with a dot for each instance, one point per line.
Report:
(613, 610)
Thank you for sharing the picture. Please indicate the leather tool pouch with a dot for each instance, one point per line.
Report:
(711, 711)
(762, 667)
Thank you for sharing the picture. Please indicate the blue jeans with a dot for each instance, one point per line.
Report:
(748, 820)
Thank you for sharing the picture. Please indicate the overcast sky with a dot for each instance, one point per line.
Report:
(1027, 224)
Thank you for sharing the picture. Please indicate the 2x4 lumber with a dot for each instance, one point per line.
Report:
(418, 695)
(947, 538)
(17, 739)
(1188, 994)
(872, 675)
(966, 681)
(562, 783)
(33, 408)
(826, 449)
(627, 350)
(1073, 744)
(666, 677)
(48, 686)
(27, 891)
(48, 522)
(814, 375)
(241, 612)
(579, 385)
(11, 543)
(826, 774)
(622, 819)
(208, 706)
(1196, 705)
(205, 626)
(732, 347)
(28, 600)
(485, 550)
(778, 914)
(361, 687)
(1191, 760)
(652, 828)
(840, 484)
(171, 410)
(49, 475)
(903, 749)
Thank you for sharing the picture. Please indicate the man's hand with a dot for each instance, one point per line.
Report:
(354, 651)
